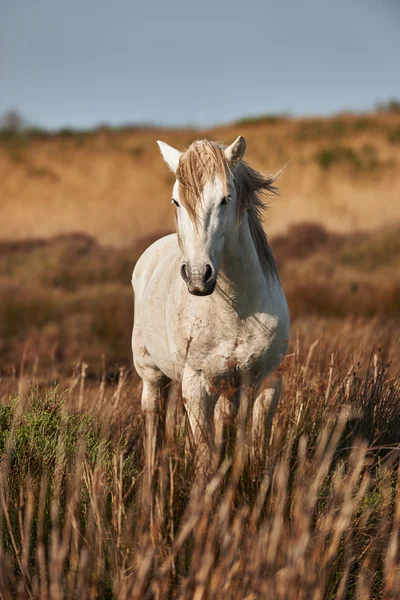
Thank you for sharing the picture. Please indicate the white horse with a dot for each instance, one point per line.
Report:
(209, 306)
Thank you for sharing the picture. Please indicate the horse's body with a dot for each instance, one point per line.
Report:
(204, 341)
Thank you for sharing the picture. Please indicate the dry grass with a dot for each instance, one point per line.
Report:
(113, 184)
(319, 519)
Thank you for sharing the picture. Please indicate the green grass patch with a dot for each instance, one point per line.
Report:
(262, 120)
(365, 159)
(316, 129)
(394, 135)
(41, 431)
(391, 106)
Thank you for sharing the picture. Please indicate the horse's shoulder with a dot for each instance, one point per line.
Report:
(153, 255)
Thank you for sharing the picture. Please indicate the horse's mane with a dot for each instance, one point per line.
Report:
(201, 163)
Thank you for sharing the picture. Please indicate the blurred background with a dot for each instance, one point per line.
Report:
(86, 89)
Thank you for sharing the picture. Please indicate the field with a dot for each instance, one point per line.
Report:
(319, 515)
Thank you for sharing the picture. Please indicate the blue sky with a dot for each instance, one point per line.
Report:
(84, 62)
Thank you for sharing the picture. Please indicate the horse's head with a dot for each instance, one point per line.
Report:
(205, 201)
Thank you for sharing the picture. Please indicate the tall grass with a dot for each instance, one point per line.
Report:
(318, 517)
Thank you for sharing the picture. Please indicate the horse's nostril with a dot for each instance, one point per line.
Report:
(184, 272)
(208, 274)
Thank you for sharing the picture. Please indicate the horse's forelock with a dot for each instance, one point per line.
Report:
(203, 162)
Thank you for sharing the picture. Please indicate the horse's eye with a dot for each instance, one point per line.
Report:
(225, 200)
(175, 202)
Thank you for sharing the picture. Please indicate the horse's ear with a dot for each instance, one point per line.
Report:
(170, 155)
(235, 152)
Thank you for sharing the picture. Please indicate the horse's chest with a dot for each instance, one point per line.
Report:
(240, 345)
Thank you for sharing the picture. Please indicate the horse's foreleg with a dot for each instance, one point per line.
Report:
(154, 382)
(151, 395)
(225, 412)
(199, 404)
(263, 416)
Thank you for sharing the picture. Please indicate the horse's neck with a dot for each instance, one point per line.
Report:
(242, 274)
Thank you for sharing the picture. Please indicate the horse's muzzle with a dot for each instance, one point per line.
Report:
(203, 290)
(199, 283)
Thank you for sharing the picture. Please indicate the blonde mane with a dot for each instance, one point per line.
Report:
(205, 160)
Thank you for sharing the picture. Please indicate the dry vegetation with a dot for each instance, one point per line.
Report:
(320, 517)
(69, 299)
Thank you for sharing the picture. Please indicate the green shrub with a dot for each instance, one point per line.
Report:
(318, 129)
(391, 106)
(330, 156)
(42, 430)
(137, 151)
(15, 144)
(394, 135)
(262, 120)
(364, 159)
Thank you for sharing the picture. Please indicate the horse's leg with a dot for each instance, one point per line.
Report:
(154, 382)
(174, 410)
(150, 408)
(225, 412)
(263, 415)
(199, 403)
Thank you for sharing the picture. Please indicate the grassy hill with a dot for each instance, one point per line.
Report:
(112, 184)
